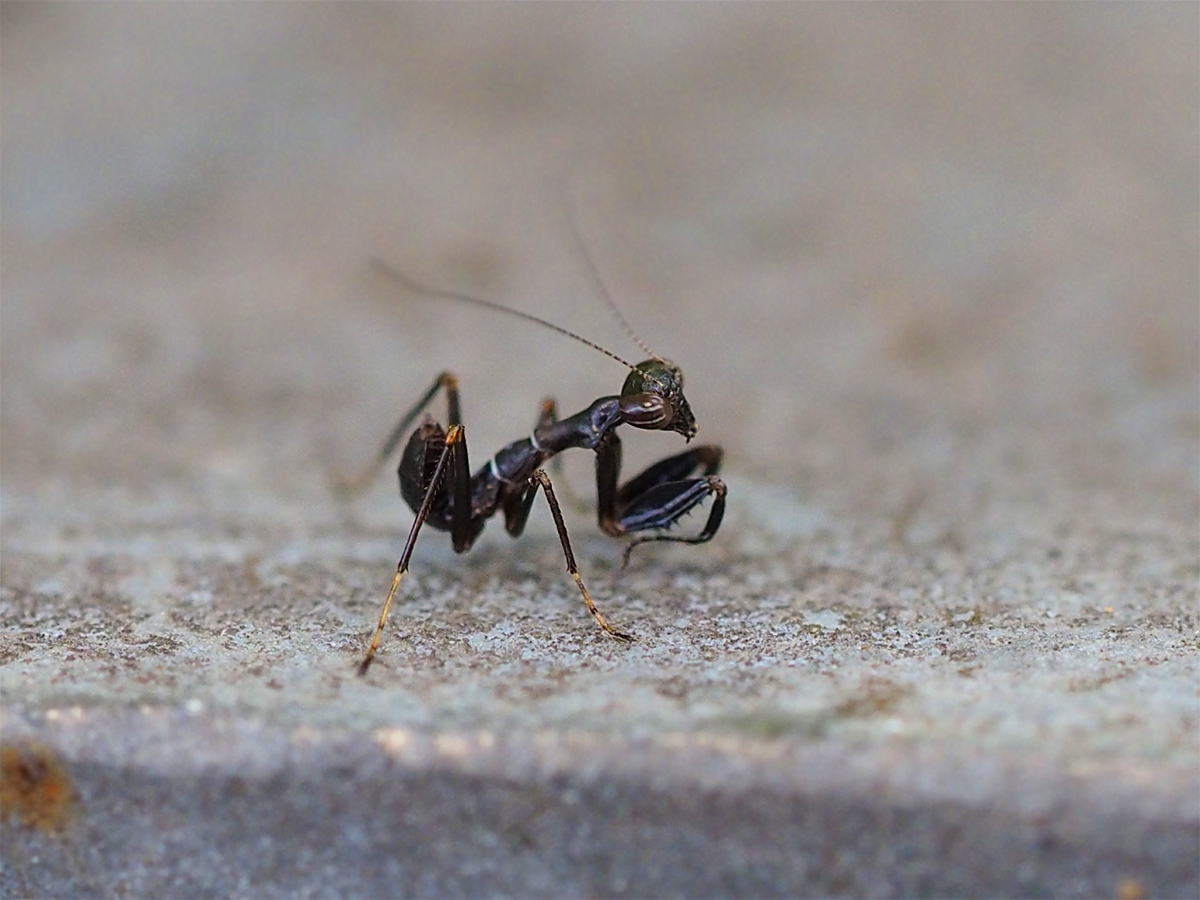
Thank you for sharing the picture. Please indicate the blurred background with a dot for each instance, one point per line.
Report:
(932, 273)
(896, 249)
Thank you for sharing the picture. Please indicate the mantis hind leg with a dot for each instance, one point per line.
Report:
(355, 484)
(463, 528)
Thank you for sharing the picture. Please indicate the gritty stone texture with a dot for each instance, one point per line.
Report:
(932, 275)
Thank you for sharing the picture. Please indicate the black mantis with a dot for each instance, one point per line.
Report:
(436, 481)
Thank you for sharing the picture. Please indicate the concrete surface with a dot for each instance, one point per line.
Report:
(932, 275)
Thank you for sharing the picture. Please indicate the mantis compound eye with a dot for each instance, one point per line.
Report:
(647, 411)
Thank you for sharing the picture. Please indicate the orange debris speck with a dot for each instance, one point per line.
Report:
(35, 788)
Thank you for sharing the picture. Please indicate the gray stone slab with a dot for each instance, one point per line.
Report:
(931, 274)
